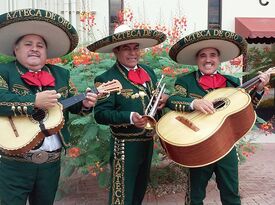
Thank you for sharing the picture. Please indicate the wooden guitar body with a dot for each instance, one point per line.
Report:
(26, 133)
(194, 139)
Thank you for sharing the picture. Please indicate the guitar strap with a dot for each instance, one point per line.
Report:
(231, 82)
(43, 129)
(41, 124)
(234, 84)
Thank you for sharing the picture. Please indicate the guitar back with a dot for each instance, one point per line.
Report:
(21, 134)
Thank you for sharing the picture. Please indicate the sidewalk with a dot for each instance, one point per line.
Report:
(257, 183)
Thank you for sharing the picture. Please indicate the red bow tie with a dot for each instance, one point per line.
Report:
(212, 81)
(138, 76)
(40, 78)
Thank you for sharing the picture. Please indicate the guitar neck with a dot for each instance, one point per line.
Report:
(248, 84)
(254, 81)
(75, 99)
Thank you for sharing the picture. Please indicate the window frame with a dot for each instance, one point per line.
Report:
(211, 10)
(112, 17)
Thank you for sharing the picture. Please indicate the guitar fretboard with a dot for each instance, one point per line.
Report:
(75, 99)
(250, 83)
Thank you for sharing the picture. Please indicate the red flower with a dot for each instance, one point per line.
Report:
(74, 152)
(54, 61)
(184, 70)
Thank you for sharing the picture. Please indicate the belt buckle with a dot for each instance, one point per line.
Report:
(40, 157)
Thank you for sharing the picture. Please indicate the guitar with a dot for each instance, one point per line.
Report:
(20, 134)
(195, 139)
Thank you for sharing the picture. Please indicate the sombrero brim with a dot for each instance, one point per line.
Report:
(61, 38)
(184, 51)
(145, 39)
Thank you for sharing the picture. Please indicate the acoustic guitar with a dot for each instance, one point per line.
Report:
(195, 139)
(20, 134)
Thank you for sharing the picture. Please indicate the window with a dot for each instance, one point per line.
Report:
(114, 7)
(214, 14)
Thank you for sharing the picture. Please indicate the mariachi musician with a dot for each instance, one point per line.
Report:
(131, 144)
(26, 85)
(207, 49)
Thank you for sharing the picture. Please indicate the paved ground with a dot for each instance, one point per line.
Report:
(257, 183)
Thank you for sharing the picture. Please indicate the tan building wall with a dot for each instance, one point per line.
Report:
(69, 9)
(152, 12)
(245, 8)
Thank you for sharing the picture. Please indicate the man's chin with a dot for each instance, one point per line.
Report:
(208, 72)
(35, 65)
(132, 64)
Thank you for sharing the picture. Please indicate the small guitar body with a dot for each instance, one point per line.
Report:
(20, 134)
(194, 139)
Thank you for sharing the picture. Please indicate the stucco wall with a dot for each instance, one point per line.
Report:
(162, 12)
(70, 9)
(245, 8)
(151, 12)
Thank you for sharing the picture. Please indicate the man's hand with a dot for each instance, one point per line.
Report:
(46, 99)
(90, 99)
(204, 106)
(162, 101)
(264, 77)
(138, 120)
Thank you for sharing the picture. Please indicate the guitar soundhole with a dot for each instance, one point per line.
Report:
(39, 115)
(220, 104)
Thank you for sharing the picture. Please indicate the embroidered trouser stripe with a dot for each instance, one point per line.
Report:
(118, 173)
(187, 194)
(130, 162)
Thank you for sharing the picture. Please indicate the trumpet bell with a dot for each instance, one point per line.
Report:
(152, 106)
(151, 122)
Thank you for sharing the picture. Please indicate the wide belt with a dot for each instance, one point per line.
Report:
(38, 157)
(145, 135)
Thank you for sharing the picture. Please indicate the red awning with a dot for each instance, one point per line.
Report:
(256, 30)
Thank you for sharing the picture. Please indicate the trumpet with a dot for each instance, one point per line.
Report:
(151, 108)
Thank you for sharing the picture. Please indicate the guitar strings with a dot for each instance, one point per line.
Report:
(199, 115)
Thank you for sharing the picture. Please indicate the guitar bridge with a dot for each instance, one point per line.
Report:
(188, 123)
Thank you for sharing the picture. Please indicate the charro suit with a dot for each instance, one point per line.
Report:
(187, 88)
(18, 176)
(131, 147)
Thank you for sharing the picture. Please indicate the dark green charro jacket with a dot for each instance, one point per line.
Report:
(115, 109)
(17, 97)
(187, 88)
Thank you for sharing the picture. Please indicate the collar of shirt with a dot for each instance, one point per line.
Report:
(127, 68)
(35, 71)
(211, 74)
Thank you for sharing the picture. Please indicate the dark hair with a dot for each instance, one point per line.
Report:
(21, 37)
